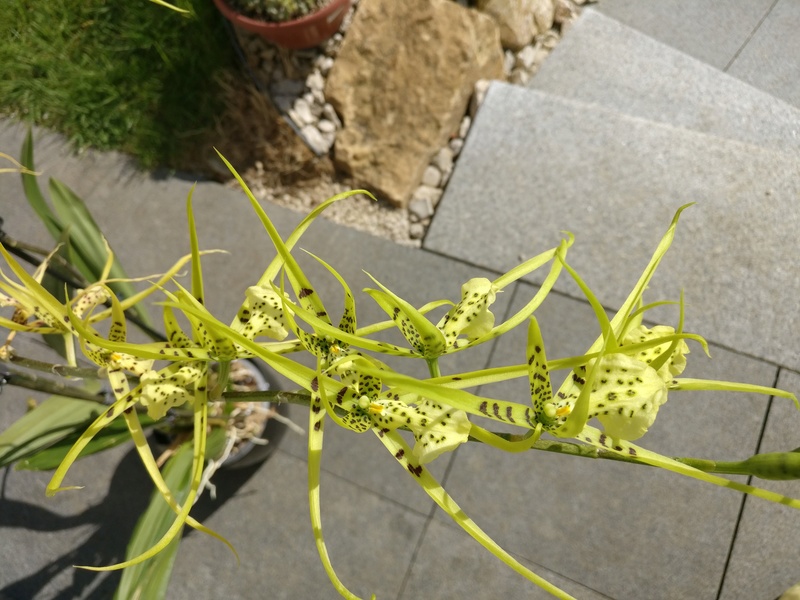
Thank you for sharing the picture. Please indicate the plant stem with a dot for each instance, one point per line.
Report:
(433, 367)
(60, 370)
(786, 465)
(11, 376)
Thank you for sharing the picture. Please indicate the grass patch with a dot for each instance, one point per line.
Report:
(126, 75)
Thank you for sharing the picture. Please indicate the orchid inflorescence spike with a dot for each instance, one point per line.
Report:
(622, 381)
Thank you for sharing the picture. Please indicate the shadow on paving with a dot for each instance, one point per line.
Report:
(114, 517)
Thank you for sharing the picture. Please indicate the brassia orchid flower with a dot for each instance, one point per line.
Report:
(622, 381)
(626, 380)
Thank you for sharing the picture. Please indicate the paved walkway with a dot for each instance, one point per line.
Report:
(646, 105)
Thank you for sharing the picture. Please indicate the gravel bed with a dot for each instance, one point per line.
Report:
(295, 82)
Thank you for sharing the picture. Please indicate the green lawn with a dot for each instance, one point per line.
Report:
(126, 75)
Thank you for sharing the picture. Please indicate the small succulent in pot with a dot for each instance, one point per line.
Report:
(277, 11)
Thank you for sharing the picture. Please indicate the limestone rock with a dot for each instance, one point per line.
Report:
(401, 84)
(519, 20)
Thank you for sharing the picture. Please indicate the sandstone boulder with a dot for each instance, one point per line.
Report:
(401, 84)
(519, 20)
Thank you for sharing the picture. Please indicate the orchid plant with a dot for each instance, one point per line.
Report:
(622, 380)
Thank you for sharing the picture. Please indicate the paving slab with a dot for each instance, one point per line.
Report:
(615, 182)
(771, 59)
(475, 573)
(625, 532)
(711, 30)
(763, 562)
(602, 61)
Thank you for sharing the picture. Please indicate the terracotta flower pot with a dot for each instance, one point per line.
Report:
(305, 32)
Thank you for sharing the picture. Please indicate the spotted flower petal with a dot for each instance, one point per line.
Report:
(626, 396)
(167, 388)
(471, 316)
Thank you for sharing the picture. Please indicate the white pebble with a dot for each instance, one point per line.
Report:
(315, 81)
(326, 126)
(463, 129)
(526, 58)
(444, 160)
(425, 192)
(315, 139)
(329, 113)
(481, 87)
(508, 61)
(416, 231)
(301, 113)
(432, 176)
(421, 208)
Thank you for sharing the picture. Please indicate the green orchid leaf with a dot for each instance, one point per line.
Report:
(50, 422)
(403, 454)
(87, 241)
(114, 434)
(33, 193)
(149, 579)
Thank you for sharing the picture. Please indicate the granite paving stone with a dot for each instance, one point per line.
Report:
(711, 30)
(474, 573)
(771, 59)
(369, 538)
(735, 253)
(602, 61)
